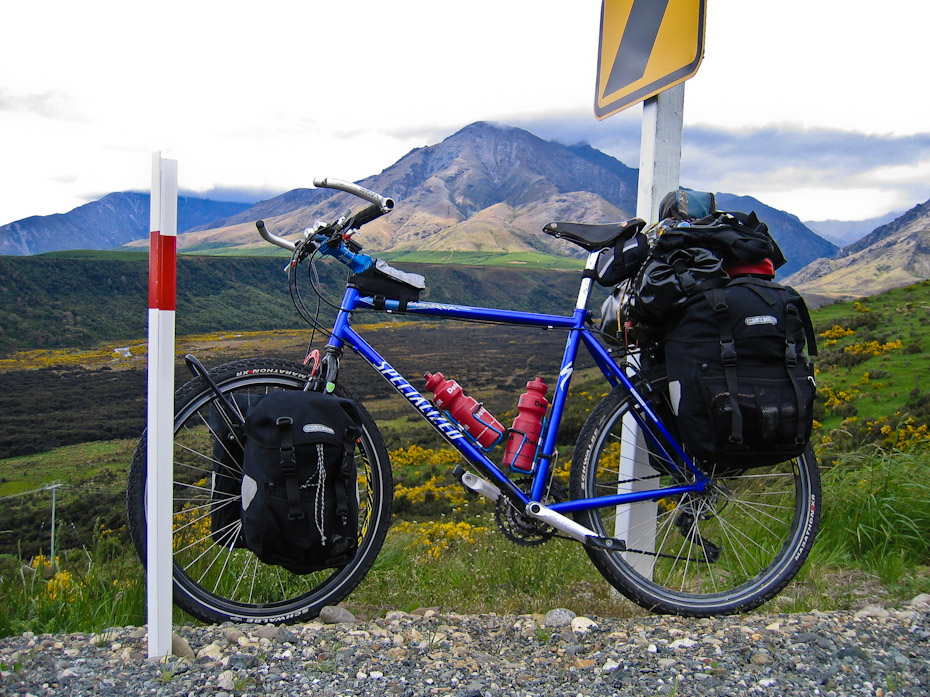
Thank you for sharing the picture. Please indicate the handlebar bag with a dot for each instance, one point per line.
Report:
(299, 492)
(384, 282)
(741, 385)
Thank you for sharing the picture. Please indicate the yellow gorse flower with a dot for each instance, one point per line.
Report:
(435, 537)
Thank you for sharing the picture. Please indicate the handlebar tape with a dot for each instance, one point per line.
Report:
(366, 215)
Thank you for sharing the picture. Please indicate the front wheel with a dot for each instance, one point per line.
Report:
(215, 579)
(726, 550)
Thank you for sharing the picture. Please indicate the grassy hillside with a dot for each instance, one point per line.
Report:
(873, 544)
(87, 298)
(872, 369)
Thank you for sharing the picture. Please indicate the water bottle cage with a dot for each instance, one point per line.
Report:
(523, 442)
(469, 436)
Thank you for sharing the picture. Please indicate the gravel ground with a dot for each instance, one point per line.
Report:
(874, 651)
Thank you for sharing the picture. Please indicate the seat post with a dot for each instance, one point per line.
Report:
(584, 291)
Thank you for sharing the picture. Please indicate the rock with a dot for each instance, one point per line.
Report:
(232, 635)
(181, 647)
(610, 666)
(267, 631)
(336, 614)
(583, 625)
(872, 611)
(285, 635)
(921, 600)
(560, 617)
(760, 659)
(226, 680)
(210, 651)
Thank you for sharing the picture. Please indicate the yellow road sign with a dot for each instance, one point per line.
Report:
(646, 46)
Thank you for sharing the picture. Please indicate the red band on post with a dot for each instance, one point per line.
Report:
(162, 271)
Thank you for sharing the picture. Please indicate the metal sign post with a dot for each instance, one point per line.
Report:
(659, 170)
(647, 49)
(163, 217)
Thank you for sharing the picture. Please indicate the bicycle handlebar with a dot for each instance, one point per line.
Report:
(274, 239)
(335, 247)
(383, 202)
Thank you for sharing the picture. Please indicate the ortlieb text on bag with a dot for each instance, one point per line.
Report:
(299, 492)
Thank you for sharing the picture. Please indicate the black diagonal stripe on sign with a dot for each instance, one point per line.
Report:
(639, 36)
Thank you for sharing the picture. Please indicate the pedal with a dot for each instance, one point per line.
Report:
(475, 484)
(610, 544)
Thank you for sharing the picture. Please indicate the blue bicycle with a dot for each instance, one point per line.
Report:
(673, 533)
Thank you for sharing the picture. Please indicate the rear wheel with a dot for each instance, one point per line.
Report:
(725, 550)
(214, 578)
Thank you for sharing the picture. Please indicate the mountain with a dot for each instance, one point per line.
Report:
(488, 187)
(844, 232)
(112, 221)
(892, 255)
(799, 243)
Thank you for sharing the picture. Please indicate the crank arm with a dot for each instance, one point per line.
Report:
(574, 530)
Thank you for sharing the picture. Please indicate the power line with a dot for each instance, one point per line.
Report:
(47, 487)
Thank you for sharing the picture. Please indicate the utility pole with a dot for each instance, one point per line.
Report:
(54, 489)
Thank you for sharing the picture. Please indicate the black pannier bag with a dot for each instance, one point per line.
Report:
(299, 492)
(226, 478)
(740, 381)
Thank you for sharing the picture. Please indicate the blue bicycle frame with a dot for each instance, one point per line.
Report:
(344, 335)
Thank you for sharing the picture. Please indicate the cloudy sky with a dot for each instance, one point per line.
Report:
(818, 108)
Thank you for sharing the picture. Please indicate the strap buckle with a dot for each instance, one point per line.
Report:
(728, 352)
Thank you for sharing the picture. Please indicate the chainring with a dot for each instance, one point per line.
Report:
(520, 528)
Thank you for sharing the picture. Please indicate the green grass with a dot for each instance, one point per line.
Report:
(83, 590)
(882, 385)
(510, 260)
(873, 546)
(71, 464)
(878, 516)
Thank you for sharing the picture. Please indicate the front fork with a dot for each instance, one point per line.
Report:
(326, 373)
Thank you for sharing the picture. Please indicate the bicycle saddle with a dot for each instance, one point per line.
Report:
(595, 237)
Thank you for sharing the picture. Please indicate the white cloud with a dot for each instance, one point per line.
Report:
(270, 95)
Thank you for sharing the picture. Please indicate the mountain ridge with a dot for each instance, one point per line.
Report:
(893, 255)
(112, 221)
(488, 187)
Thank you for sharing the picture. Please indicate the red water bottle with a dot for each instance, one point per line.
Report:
(524, 434)
(471, 415)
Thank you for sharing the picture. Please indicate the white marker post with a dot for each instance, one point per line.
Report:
(160, 473)
(659, 171)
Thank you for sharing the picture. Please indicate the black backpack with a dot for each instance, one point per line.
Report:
(740, 381)
(299, 492)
